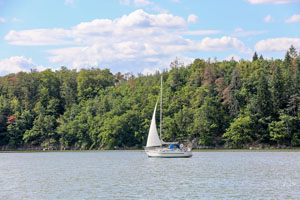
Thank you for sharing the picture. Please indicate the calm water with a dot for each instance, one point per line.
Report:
(131, 175)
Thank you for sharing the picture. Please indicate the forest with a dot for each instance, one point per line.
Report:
(215, 104)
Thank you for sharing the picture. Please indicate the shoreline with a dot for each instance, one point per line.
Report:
(137, 150)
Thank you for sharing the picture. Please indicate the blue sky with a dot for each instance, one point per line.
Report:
(141, 36)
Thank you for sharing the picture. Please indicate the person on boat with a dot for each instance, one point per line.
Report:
(174, 147)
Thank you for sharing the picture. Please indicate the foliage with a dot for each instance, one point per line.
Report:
(215, 103)
(240, 131)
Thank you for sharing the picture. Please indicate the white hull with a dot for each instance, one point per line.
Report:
(168, 153)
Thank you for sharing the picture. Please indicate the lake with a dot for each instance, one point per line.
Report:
(131, 175)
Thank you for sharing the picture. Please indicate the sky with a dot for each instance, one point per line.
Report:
(142, 36)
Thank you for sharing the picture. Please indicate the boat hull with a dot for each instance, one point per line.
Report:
(168, 154)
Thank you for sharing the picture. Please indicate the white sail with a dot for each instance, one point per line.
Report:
(153, 139)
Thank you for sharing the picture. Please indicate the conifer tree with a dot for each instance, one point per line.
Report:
(255, 56)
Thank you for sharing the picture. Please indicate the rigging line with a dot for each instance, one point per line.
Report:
(160, 129)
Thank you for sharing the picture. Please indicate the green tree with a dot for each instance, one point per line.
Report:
(264, 104)
(277, 90)
(49, 87)
(16, 130)
(208, 123)
(68, 86)
(91, 81)
(43, 129)
(255, 57)
(231, 94)
(240, 131)
(5, 112)
(68, 127)
(286, 130)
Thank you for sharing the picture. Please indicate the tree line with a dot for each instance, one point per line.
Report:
(213, 103)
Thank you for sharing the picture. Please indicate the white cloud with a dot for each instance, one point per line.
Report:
(150, 71)
(269, 18)
(277, 44)
(38, 37)
(232, 56)
(192, 18)
(202, 32)
(2, 19)
(273, 1)
(16, 64)
(40, 68)
(138, 40)
(239, 32)
(137, 24)
(159, 9)
(185, 60)
(141, 3)
(293, 18)
(137, 3)
(222, 44)
(144, 3)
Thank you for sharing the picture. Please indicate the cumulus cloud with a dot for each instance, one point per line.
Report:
(192, 18)
(269, 18)
(293, 18)
(16, 64)
(277, 44)
(223, 43)
(140, 40)
(38, 37)
(2, 19)
(273, 1)
(239, 32)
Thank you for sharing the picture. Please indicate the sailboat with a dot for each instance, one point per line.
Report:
(156, 147)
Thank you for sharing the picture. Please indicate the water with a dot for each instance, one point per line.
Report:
(131, 175)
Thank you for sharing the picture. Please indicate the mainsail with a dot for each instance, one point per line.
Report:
(153, 139)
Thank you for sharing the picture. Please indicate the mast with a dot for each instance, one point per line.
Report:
(160, 129)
